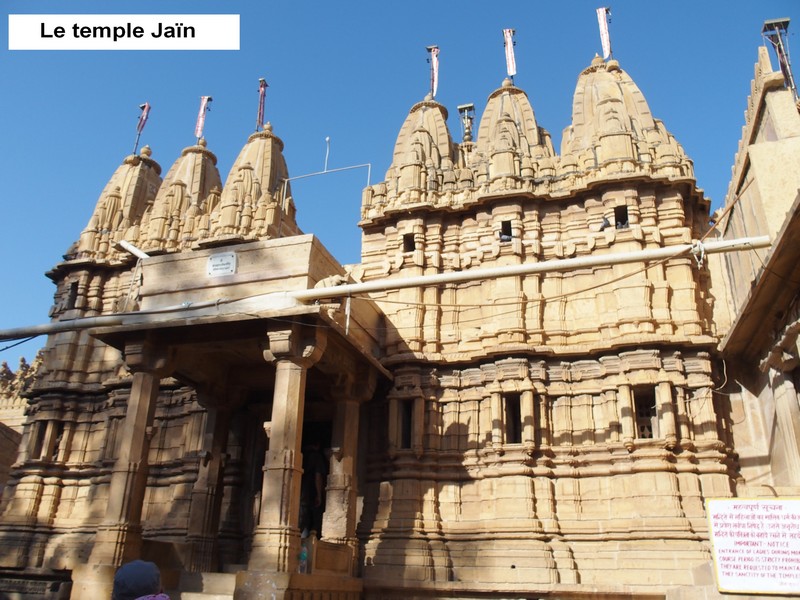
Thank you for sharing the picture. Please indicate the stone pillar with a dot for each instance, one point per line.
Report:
(119, 536)
(528, 415)
(627, 415)
(666, 414)
(787, 416)
(276, 540)
(206, 498)
(683, 418)
(339, 520)
(496, 404)
(545, 438)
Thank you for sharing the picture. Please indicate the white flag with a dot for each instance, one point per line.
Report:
(511, 64)
(201, 116)
(434, 50)
(602, 21)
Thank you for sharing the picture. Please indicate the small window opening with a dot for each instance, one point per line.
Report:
(621, 217)
(646, 414)
(408, 242)
(513, 419)
(505, 231)
(406, 420)
(72, 297)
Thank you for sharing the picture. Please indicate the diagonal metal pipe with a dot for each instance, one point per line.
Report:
(282, 300)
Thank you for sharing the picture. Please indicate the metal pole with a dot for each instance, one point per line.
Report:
(280, 300)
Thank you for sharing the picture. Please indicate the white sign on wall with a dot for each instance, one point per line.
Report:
(756, 544)
(221, 264)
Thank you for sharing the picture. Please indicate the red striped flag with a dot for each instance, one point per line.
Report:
(262, 94)
(511, 63)
(602, 21)
(143, 117)
(201, 116)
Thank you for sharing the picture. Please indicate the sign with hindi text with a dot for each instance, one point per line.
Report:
(756, 544)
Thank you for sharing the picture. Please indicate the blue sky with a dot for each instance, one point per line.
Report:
(346, 70)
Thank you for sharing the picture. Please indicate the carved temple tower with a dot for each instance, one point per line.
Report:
(535, 418)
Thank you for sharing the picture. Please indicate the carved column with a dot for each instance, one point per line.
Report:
(207, 491)
(545, 438)
(666, 414)
(276, 540)
(627, 415)
(787, 416)
(528, 413)
(119, 536)
(339, 520)
(496, 404)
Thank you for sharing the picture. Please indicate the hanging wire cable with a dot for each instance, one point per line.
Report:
(18, 343)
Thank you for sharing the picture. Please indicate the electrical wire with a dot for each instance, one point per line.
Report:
(18, 342)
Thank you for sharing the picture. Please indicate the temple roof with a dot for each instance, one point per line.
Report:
(121, 204)
(509, 118)
(606, 101)
(424, 135)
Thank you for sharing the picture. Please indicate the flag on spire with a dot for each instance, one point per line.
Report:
(143, 117)
(511, 63)
(434, 60)
(603, 13)
(201, 116)
(145, 108)
(262, 94)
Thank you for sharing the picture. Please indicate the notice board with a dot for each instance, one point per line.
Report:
(756, 544)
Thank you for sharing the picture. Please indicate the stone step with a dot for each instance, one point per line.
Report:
(234, 568)
(209, 584)
(202, 596)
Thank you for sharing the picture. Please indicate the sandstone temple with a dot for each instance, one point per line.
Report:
(527, 388)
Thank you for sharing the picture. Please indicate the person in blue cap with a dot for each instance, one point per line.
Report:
(138, 580)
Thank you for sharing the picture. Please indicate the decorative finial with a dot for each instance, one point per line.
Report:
(146, 152)
(467, 112)
(507, 82)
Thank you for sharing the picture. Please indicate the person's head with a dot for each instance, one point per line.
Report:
(135, 579)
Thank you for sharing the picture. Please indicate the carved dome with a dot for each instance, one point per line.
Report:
(255, 191)
(509, 140)
(423, 153)
(612, 123)
(190, 189)
(132, 187)
(509, 105)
